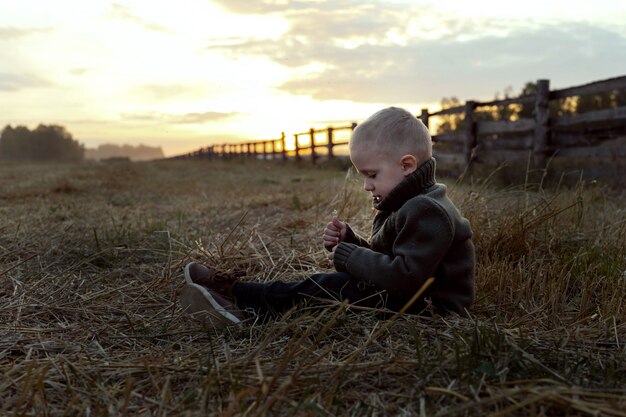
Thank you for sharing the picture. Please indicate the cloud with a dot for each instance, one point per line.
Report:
(7, 33)
(318, 31)
(393, 52)
(15, 82)
(122, 12)
(197, 118)
(186, 118)
(79, 71)
(425, 71)
(273, 6)
(226, 42)
(169, 91)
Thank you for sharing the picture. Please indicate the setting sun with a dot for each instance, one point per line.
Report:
(185, 76)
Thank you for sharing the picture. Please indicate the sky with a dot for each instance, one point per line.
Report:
(191, 73)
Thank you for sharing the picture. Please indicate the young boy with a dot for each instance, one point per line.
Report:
(417, 233)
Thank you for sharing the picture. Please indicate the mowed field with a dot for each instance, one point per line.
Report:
(91, 259)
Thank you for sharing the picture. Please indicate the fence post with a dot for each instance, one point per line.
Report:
(542, 117)
(470, 131)
(298, 157)
(330, 142)
(313, 155)
(424, 117)
(283, 145)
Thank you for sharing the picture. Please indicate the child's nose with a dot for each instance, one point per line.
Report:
(368, 186)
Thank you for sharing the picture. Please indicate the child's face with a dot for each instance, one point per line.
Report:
(381, 172)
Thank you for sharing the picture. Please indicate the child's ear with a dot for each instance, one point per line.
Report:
(408, 163)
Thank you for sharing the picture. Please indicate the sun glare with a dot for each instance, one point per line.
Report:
(191, 74)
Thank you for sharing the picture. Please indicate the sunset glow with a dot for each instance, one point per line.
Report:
(187, 75)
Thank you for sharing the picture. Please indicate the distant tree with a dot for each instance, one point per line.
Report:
(45, 143)
(450, 122)
(575, 104)
(135, 153)
(607, 100)
(526, 110)
(12, 141)
(508, 112)
(455, 122)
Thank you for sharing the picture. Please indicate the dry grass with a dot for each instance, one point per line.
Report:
(90, 267)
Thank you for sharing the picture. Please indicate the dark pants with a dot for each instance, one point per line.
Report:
(278, 296)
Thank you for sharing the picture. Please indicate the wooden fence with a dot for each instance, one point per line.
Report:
(305, 145)
(544, 135)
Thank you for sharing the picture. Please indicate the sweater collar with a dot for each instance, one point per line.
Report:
(413, 184)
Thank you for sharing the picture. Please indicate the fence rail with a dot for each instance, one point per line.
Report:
(576, 135)
(579, 135)
(303, 144)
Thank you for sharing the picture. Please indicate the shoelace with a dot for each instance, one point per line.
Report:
(229, 276)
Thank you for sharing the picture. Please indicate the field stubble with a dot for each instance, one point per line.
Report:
(91, 261)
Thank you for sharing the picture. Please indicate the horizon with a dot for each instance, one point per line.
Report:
(154, 73)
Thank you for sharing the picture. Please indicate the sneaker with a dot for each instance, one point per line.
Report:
(209, 306)
(210, 278)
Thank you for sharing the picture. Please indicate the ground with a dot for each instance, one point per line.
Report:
(91, 259)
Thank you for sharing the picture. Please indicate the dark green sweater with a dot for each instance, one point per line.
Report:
(417, 233)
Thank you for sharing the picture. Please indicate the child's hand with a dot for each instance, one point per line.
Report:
(334, 233)
(331, 256)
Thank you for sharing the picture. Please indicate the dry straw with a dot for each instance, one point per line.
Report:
(90, 270)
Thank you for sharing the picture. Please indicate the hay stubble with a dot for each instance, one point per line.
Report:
(91, 258)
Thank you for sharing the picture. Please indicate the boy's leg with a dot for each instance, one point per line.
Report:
(279, 296)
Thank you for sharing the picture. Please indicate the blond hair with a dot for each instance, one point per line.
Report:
(394, 131)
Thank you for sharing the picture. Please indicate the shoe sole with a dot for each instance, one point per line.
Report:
(188, 279)
(200, 304)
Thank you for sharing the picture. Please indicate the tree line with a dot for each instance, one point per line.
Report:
(44, 143)
(136, 153)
